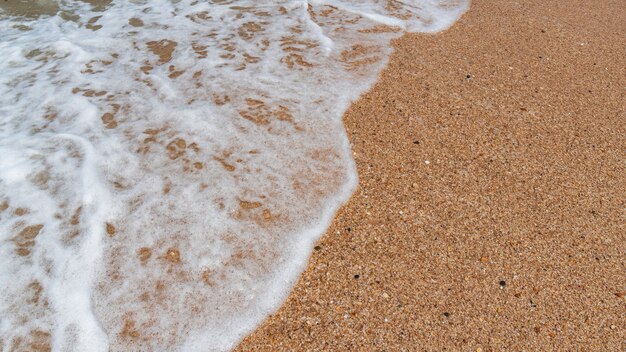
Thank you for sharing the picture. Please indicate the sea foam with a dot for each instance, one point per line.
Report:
(166, 166)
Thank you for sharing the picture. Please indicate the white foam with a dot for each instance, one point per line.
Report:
(166, 167)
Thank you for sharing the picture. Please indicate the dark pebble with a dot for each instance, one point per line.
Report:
(502, 283)
(357, 276)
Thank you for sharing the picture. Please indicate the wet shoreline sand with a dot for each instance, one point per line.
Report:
(489, 214)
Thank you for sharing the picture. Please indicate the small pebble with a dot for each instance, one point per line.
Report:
(173, 255)
(110, 229)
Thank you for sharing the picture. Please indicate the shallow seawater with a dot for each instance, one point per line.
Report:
(166, 166)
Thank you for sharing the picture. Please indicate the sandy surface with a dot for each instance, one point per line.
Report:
(490, 212)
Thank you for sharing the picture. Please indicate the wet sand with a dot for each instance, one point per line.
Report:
(490, 211)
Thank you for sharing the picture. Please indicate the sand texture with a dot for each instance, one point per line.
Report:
(490, 210)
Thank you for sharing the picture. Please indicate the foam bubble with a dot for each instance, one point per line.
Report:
(166, 166)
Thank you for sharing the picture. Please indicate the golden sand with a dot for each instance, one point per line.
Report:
(490, 210)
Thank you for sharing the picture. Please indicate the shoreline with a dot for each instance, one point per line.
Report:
(488, 213)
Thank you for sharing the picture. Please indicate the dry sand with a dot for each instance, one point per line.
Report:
(490, 211)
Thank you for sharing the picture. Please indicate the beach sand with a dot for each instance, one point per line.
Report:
(490, 210)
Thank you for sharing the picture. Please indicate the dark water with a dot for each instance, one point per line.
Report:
(35, 8)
